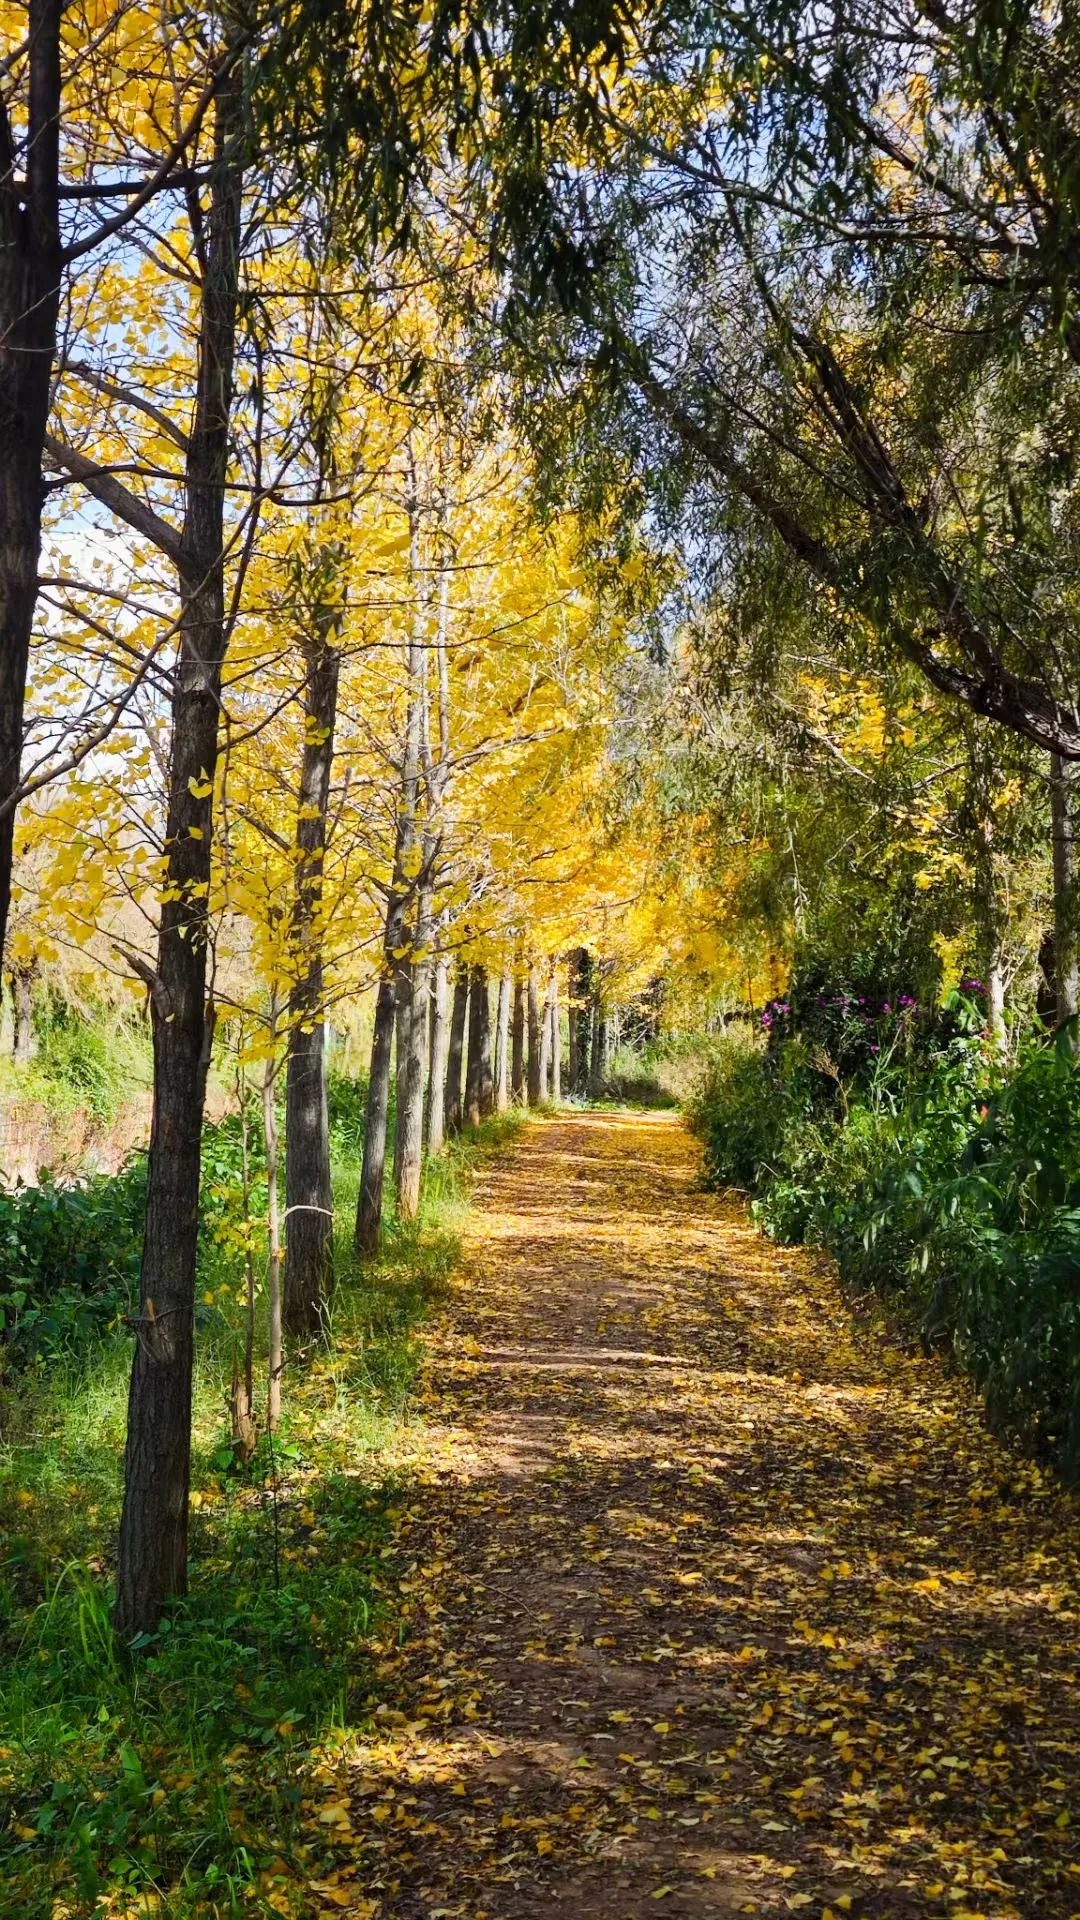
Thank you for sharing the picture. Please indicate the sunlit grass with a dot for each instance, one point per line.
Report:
(175, 1777)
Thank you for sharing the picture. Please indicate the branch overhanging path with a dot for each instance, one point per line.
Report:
(712, 1599)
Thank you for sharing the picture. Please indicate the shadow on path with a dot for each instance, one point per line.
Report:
(714, 1601)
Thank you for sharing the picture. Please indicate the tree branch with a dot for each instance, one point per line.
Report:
(126, 505)
(163, 175)
(153, 981)
(104, 383)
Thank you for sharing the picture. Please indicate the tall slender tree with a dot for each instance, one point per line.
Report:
(479, 1084)
(309, 1207)
(536, 1066)
(517, 1042)
(152, 1562)
(502, 1044)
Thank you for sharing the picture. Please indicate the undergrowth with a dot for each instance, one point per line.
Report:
(80, 1061)
(175, 1782)
(662, 1073)
(936, 1172)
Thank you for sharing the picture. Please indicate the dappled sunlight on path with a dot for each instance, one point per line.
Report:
(715, 1602)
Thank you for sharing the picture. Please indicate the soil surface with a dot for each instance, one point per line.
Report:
(715, 1599)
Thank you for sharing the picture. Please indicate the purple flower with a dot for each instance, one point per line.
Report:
(906, 1000)
(885, 1007)
(875, 1048)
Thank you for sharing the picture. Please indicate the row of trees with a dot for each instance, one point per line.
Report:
(816, 302)
(316, 703)
(302, 315)
(468, 1050)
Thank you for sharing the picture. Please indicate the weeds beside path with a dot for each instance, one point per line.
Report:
(714, 1601)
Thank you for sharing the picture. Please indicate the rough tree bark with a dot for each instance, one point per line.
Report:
(535, 1080)
(31, 263)
(452, 1107)
(585, 1018)
(502, 1045)
(152, 1559)
(437, 1053)
(598, 1064)
(479, 1083)
(369, 1203)
(21, 980)
(309, 1203)
(409, 1134)
(573, 1022)
(517, 1043)
(544, 1069)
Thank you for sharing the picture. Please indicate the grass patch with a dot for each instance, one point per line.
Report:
(176, 1782)
(91, 1062)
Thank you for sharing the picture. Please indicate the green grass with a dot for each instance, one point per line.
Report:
(95, 1064)
(173, 1782)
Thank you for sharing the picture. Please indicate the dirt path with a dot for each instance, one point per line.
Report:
(717, 1603)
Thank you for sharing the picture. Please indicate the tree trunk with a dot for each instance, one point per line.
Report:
(409, 1137)
(517, 1044)
(452, 1108)
(581, 994)
(487, 1077)
(1064, 777)
(30, 270)
(581, 1023)
(535, 1067)
(402, 1017)
(437, 1054)
(394, 1005)
(598, 1064)
(22, 1002)
(479, 1084)
(244, 1434)
(990, 927)
(275, 1343)
(573, 1063)
(369, 1203)
(152, 1559)
(556, 1042)
(502, 1045)
(309, 1200)
(545, 1046)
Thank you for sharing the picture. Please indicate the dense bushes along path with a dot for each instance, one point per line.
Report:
(716, 1602)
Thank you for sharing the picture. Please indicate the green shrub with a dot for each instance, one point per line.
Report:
(69, 1258)
(745, 1103)
(346, 1101)
(91, 1060)
(947, 1184)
